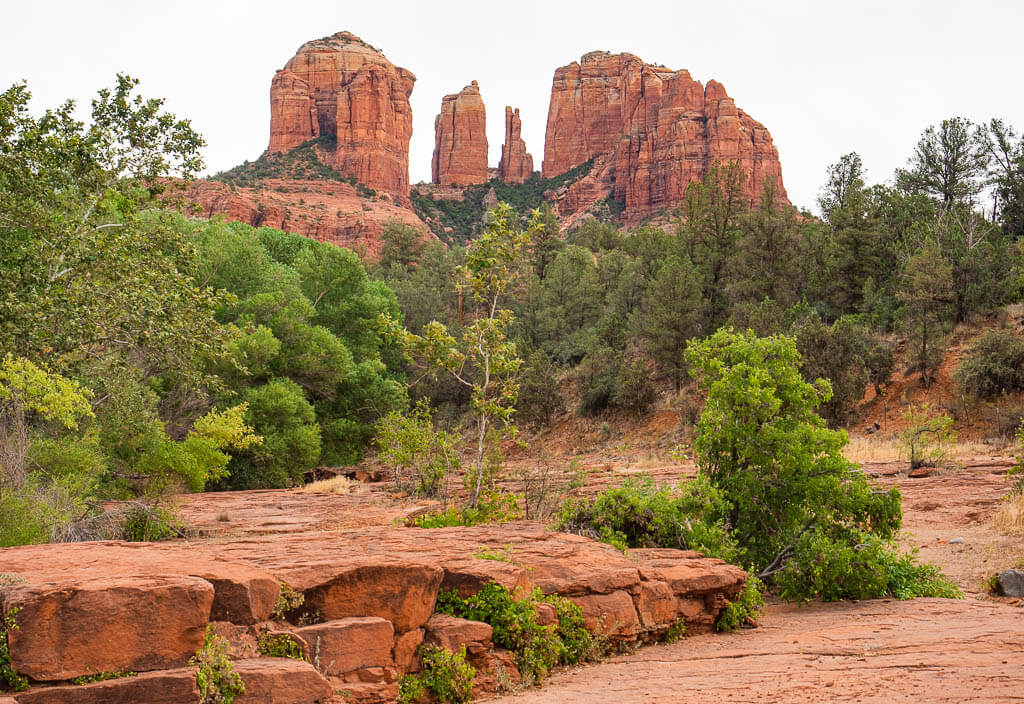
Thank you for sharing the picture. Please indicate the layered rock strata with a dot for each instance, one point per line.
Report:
(460, 139)
(370, 594)
(516, 163)
(660, 128)
(343, 89)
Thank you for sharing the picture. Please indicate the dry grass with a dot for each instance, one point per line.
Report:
(879, 448)
(337, 485)
(1009, 517)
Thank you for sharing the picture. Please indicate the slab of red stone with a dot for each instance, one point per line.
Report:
(350, 644)
(71, 629)
(452, 633)
(165, 687)
(242, 593)
(281, 681)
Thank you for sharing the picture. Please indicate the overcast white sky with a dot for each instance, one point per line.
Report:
(824, 77)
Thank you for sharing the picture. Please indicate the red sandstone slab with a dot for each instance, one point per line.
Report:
(452, 633)
(164, 687)
(609, 614)
(243, 593)
(350, 644)
(72, 629)
(281, 681)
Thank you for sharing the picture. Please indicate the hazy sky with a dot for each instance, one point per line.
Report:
(826, 78)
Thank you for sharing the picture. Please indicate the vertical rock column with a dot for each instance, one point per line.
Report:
(460, 139)
(516, 163)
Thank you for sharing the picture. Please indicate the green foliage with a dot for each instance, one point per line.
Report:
(498, 554)
(744, 608)
(103, 677)
(537, 648)
(926, 310)
(215, 674)
(927, 436)
(994, 365)
(493, 507)
(485, 362)
(288, 600)
(10, 680)
(421, 458)
(676, 631)
(279, 645)
(445, 674)
(145, 524)
(466, 217)
(643, 514)
(302, 162)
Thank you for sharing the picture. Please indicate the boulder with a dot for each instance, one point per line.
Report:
(350, 644)
(281, 681)
(452, 633)
(609, 614)
(76, 628)
(165, 687)
(1011, 583)
(460, 139)
(406, 646)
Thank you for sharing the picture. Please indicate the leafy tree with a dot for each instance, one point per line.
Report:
(1005, 149)
(780, 469)
(948, 163)
(669, 315)
(402, 245)
(766, 261)
(927, 295)
(994, 365)
(422, 459)
(845, 180)
(547, 241)
(485, 361)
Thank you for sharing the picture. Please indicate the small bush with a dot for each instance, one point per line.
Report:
(446, 674)
(927, 437)
(493, 507)
(745, 608)
(675, 632)
(218, 682)
(537, 648)
(148, 524)
(288, 600)
(103, 677)
(994, 365)
(9, 677)
(279, 645)
(421, 458)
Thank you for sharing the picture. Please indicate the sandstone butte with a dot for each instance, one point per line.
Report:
(460, 139)
(516, 163)
(342, 87)
(650, 130)
(370, 593)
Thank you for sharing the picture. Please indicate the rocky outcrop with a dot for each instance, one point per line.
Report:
(370, 594)
(516, 163)
(328, 211)
(660, 128)
(460, 139)
(343, 89)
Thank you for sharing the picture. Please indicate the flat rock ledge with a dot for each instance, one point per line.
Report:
(86, 609)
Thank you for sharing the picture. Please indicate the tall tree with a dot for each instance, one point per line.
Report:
(949, 162)
(927, 297)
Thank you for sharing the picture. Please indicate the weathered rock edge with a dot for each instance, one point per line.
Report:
(104, 607)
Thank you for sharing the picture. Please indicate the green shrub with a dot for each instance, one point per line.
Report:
(927, 437)
(215, 675)
(279, 645)
(288, 600)
(675, 632)
(147, 524)
(494, 507)
(421, 458)
(103, 677)
(9, 677)
(746, 606)
(446, 674)
(994, 365)
(537, 648)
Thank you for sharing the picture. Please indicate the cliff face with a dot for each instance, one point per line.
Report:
(516, 163)
(343, 88)
(460, 139)
(661, 128)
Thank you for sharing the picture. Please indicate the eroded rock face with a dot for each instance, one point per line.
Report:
(516, 163)
(662, 128)
(343, 88)
(165, 687)
(460, 139)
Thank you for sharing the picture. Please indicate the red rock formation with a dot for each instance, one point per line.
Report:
(516, 163)
(662, 128)
(342, 87)
(460, 139)
(322, 210)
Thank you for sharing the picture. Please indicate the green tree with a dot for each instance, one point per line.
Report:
(485, 361)
(948, 163)
(761, 443)
(926, 295)
(669, 316)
